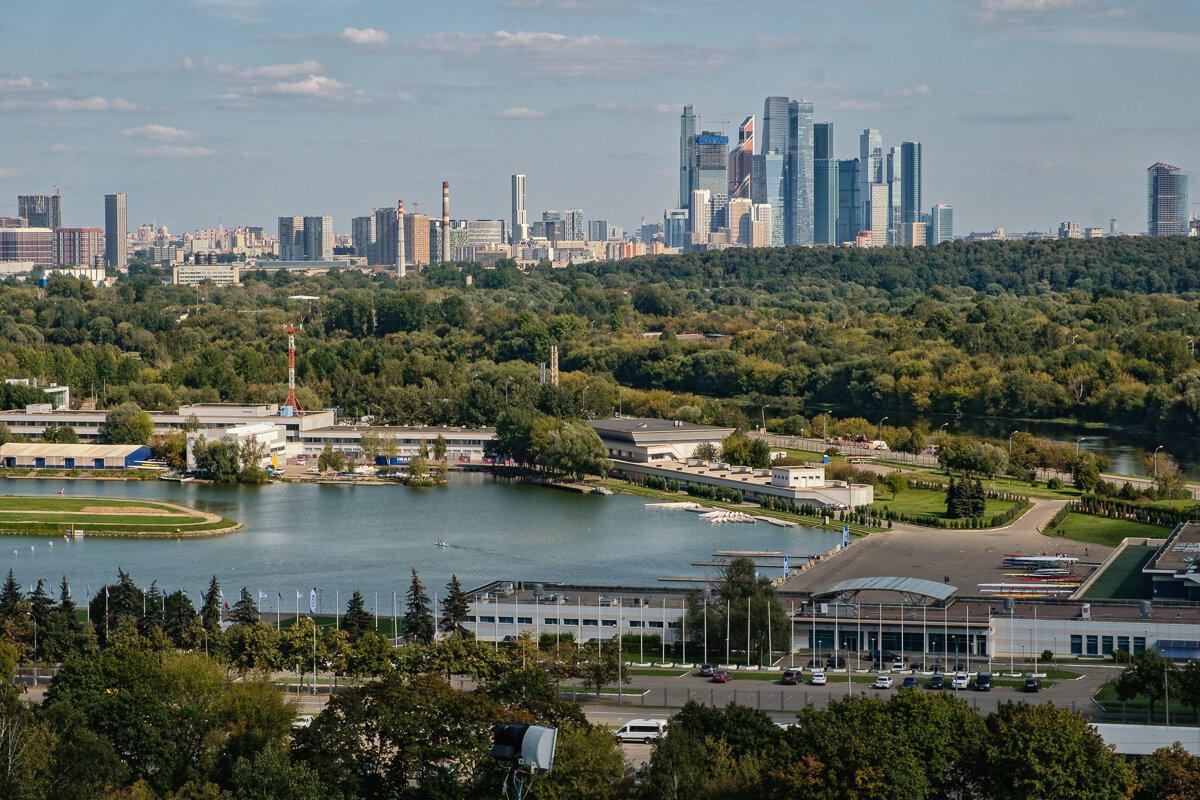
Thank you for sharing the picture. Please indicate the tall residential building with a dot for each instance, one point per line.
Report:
(870, 165)
(318, 238)
(27, 244)
(910, 170)
(894, 184)
(740, 228)
(363, 233)
(850, 212)
(573, 220)
(761, 220)
(40, 210)
(116, 231)
(387, 238)
(941, 224)
(825, 185)
(416, 240)
(879, 211)
(675, 227)
(78, 246)
(520, 220)
(687, 157)
(700, 214)
(798, 211)
(712, 175)
(774, 133)
(291, 238)
(1166, 201)
(740, 158)
(767, 188)
(597, 230)
(912, 234)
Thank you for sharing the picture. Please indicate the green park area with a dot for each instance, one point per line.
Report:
(1105, 531)
(927, 502)
(90, 516)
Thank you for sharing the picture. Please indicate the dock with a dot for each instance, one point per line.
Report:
(758, 564)
(761, 554)
(688, 579)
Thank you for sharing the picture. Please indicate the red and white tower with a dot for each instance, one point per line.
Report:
(291, 398)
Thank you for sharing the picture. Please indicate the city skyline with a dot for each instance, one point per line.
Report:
(204, 122)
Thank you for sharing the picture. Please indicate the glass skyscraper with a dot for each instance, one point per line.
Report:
(687, 145)
(775, 126)
(870, 165)
(825, 185)
(941, 225)
(1166, 200)
(116, 231)
(895, 189)
(910, 175)
(849, 220)
(767, 187)
(798, 211)
(712, 174)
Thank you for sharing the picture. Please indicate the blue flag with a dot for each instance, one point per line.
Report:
(785, 565)
(261, 595)
(312, 601)
(202, 597)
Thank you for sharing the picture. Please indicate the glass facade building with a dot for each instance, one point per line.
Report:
(767, 187)
(941, 225)
(910, 174)
(798, 211)
(712, 175)
(1166, 201)
(849, 219)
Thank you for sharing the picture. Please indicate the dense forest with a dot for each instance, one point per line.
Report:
(1097, 330)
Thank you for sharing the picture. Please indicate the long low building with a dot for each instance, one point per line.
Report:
(799, 485)
(33, 455)
(462, 444)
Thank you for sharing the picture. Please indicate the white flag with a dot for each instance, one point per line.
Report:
(312, 601)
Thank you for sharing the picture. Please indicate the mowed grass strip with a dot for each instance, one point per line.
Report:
(66, 504)
(80, 520)
(57, 515)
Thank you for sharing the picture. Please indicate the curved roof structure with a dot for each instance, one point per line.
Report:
(912, 588)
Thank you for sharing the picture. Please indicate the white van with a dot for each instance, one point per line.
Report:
(642, 730)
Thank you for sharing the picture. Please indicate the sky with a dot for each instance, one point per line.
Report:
(1030, 112)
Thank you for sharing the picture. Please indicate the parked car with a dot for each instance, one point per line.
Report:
(910, 682)
(814, 663)
(917, 666)
(720, 676)
(898, 666)
(935, 668)
(937, 682)
(1032, 684)
(706, 670)
(959, 681)
(791, 677)
(883, 682)
(961, 666)
(835, 663)
(983, 682)
(817, 679)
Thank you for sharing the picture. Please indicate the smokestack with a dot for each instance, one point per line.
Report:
(445, 220)
(400, 272)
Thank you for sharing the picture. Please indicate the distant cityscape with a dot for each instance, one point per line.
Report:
(778, 184)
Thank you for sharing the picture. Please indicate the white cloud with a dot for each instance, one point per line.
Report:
(365, 36)
(162, 133)
(232, 69)
(557, 56)
(922, 90)
(6, 173)
(520, 112)
(302, 79)
(96, 103)
(22, 84)
(173, 151)
(314, 85)
(1028, 13)
(861, 105)
(60, 148)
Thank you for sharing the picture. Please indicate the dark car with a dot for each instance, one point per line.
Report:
(935, 668)
(706, 670)
(937, 682)
(835, 663)
(815, 663)
(791, 677)
(961, 666)
(720, 676)
(910, 682)
(983, 682)
(1032, 684)
(917, 666)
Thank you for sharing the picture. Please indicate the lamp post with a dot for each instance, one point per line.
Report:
(1160, 447)
(1054, 652)
(1014, 433)
(35, 647)
(1033, 647)
(764, 419)
(1077, 441)
(881, 427)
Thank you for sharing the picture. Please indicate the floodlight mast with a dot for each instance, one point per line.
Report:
(524, 750)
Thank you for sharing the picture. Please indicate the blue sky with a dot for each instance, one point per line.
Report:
(1030, 112)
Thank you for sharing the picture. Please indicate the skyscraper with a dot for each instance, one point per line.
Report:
(416, 240)
(798, 211)
(740, 158)
(850, 213)
(116, 231)
(740, 220)
(700, 214)
(767, 188)
(363, 232)
(825, 185)
(910, 171)
(78, 246)
(711, 174)
(291, 238)
(1166, 201)
(40, 210)
(879, 214)
(387, 237)
(775, 125)
(687, 147)
(520, 221)
(941, 224)
(675, 227)
(574, 224)
(894, 184)
(870, 165)
(318, 238)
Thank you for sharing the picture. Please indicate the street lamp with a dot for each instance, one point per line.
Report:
(1014, 433)
(35, 647)
(1077, 441)
(764, 419)
(881, 428)
(1160, 447)
(1033, 647)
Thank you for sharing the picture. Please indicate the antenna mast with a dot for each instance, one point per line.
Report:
(291, 398)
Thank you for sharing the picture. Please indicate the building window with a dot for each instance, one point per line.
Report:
(635, 623)
(1076, 644)
(506, 620)
(524, 620)
(610, 623)
(654, 624)
(550, 621)
(672, 624)
(568, 621)
(1093, 645)
(1106, 645)
(470, 619)
(1123, 643)
(1139, 644)
(591, 622)
(487, 619)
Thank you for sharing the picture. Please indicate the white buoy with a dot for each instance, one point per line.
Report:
(50, 543)
(31, 548)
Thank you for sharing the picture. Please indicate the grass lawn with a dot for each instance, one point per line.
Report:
(927, 501)
(1108, 700)
(62, 504)
(811, 455)
(54, 516)
(1105, 531)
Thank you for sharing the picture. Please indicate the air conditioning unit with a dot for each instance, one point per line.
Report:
(1085, 611)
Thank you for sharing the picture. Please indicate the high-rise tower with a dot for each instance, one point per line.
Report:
(711, 173)
(687, 149)
(895, 186)
(1166, 200)
(910, 173)
(740, 158)
(798, 213)
(870, 165)
(774, 133)
(40, 210)
(520, 221)
(116, 231)
(825, 185)
(767, 187)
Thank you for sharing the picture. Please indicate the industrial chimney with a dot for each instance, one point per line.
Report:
(445, 221)
(400, 272)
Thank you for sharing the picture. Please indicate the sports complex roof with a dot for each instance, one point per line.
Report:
(910, 587)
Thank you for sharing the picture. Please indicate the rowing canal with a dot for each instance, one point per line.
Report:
(338, 538)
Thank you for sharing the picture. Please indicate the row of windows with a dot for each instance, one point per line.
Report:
(1103, 645)
(568, 622)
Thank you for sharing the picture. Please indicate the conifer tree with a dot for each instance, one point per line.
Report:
(456, 607)
(210, 612)
(418, 615)
(10, 598)
(245, 610)
(357, 621)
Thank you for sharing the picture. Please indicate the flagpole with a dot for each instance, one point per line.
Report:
(297, 607)
(337, 608)
(393, 615)
(376, 609)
